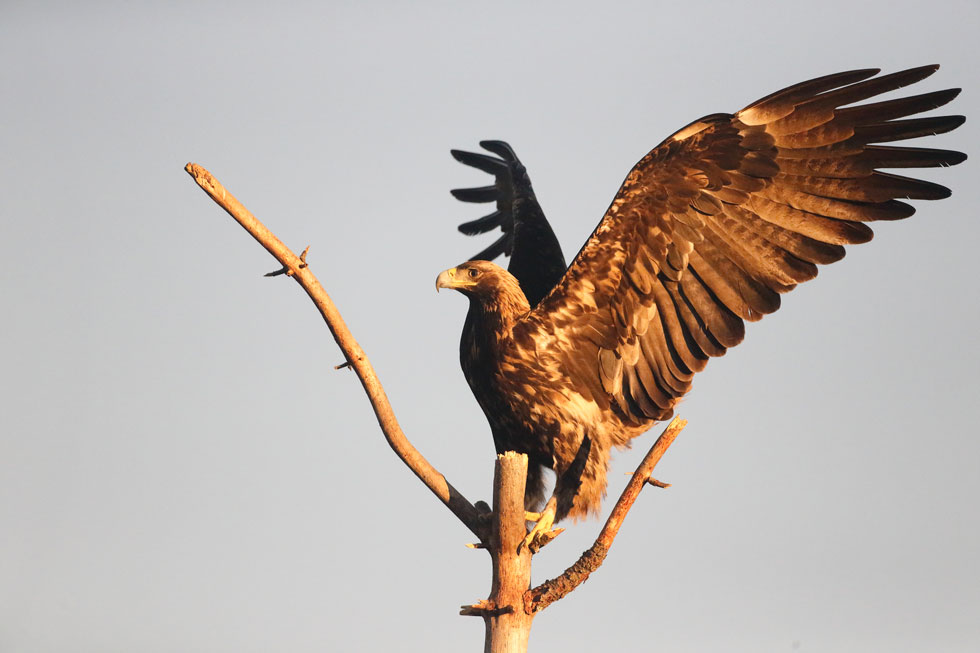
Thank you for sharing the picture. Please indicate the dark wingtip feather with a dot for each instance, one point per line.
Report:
(931, 191)
(891, 209)
(479, 161)
(501, 149)
(954, 158)
(498, 247)
(952, 122)
(482, 194)
(883, 156)
(900, 130)
(911, 75)
(940, 98)
(950, 94)
(482, 225)
(817, 85)
(900, 108)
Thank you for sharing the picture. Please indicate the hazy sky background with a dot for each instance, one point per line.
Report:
(181, 469)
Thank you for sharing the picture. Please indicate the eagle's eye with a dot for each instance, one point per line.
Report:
(474, 273)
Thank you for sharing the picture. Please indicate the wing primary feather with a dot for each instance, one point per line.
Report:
(484, 224)
(900, 130)
(821, 110)
(863, 164)
(480, 161)
(495, 249)
(501, 149)
(871, 87)
(875, 188)
(476, 195)
(899, 108)
(776, 105)
(884, 156)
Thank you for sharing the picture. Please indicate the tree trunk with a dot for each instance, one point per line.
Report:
(508, 624)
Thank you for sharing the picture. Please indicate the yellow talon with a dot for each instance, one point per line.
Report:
(542, 533)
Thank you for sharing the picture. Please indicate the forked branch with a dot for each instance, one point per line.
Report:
(296, 268)
(548, 592)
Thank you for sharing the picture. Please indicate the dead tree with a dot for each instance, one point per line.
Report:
(512, 605)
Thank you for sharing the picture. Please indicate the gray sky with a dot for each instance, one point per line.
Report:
(181, 469)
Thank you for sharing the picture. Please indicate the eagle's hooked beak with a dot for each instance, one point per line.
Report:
(446, 279)
(457, 279)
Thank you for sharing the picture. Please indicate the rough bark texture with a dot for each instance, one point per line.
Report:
(509, 625)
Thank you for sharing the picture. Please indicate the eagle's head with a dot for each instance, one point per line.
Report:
(487, 284)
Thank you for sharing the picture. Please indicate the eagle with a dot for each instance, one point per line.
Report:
(705, 234)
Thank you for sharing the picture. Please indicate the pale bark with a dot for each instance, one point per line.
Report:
(299, 271)
(508, 624)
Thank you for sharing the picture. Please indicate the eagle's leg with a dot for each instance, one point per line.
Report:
(541, 534)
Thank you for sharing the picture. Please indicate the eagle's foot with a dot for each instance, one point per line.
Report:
(542, 532)
(543, 539)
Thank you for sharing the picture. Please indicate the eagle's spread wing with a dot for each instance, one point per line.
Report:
(718, 220)
(536, 257)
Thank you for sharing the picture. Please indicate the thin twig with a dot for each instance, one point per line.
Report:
(296, 268)
(548, 592)
(484, 608)
(284, 269)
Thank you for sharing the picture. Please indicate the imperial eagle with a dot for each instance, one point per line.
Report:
(706, 232)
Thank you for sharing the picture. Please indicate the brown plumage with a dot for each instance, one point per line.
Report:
(706, 232)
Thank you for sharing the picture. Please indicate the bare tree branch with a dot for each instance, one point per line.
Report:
(296, 268)
(548, 592)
